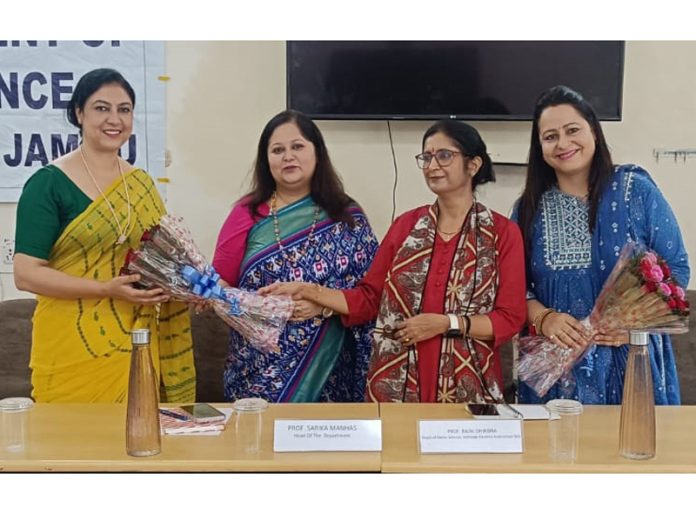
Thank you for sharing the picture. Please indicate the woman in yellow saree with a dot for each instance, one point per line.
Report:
(76, 220)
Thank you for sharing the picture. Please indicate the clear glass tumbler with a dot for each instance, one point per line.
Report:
(564, 429)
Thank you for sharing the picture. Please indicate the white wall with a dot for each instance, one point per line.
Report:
(222, 93)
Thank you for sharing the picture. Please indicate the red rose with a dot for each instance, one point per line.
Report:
(130, 255)
(682, 305)
(650, 287)
(665, 270)
(672, 303)
(645, 268)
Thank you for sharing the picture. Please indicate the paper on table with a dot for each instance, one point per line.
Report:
(534, 412)
(172, 426)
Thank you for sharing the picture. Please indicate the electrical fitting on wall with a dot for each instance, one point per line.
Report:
(7, 245)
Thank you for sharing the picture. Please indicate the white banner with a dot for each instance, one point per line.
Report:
(36, 82)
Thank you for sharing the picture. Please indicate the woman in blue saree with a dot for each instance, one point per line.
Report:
(576, 213)
(297, 223)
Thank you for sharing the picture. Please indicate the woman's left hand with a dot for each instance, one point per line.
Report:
(294, 289)
(612, 338)
(304, 309)
(420, 328)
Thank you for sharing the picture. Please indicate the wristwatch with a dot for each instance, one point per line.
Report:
(326, 312)
(454, 330)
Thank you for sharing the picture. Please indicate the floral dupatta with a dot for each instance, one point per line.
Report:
(465, 371)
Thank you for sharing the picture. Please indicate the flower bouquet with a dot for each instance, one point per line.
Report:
(168, 258)
(640, 293)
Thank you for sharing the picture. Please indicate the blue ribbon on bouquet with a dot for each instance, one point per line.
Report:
(207, 287)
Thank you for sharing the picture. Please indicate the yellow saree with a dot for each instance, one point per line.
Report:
(81, 348)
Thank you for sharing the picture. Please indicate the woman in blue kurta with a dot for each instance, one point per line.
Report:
(297, 224)
(576, 213)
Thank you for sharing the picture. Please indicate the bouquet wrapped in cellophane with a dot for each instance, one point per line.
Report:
(168, 258)
(640, 293)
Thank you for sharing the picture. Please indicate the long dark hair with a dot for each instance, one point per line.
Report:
(89, 84)
(469, 142)
(541, 176)
(326, 186)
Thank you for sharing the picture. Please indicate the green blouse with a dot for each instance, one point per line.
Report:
(49, 202)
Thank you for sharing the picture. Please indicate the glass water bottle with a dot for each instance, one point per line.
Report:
(637, 432)
(142, 418)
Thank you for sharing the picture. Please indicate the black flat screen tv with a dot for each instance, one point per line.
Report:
(474, 80)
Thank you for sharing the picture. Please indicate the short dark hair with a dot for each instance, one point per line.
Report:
(469, 142)
(88, 84)
(326, 186)
(541, 176)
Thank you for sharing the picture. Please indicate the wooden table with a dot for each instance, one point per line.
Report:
(598, 450)
(76, 437)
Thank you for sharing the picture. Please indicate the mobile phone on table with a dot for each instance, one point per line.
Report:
(203, 412)
(483, 409)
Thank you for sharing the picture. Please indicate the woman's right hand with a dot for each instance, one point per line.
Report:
(564, 330)
(120, 288)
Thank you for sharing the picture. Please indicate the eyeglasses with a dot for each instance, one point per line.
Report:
(443, 157)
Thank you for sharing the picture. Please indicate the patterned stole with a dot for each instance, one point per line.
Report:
(465, 364)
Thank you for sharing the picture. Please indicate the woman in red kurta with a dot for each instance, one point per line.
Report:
(447, 285)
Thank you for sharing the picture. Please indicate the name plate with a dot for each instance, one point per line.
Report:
(327, 435)
(471, 436)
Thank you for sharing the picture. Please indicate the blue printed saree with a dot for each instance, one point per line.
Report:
(319, 359)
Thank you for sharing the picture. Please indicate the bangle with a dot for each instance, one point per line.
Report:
(326, 312)
(466, 320)
(539, 320)
(317, 293)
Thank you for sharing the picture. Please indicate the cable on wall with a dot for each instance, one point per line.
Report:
(396, 171)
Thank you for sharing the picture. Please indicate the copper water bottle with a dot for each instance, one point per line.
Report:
(637, 432)
(142, 418)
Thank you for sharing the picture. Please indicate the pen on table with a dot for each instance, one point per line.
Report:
(174, 415)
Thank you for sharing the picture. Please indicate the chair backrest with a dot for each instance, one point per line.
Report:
(684, 346)
(210, 341)
(15, 347)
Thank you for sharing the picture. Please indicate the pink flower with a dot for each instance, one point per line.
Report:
(655, 274)
(650, 257)
(664, 289)
(679, 293)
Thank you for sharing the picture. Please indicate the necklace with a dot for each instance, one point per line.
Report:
(121, 230)
(276, 230)
(448, 233)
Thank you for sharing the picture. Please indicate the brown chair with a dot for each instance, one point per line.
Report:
(15, 347)
(685, 353)
(210, 337)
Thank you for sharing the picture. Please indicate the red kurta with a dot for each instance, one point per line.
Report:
(507, 317)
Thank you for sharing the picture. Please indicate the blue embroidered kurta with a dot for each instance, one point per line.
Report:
(568, 266)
